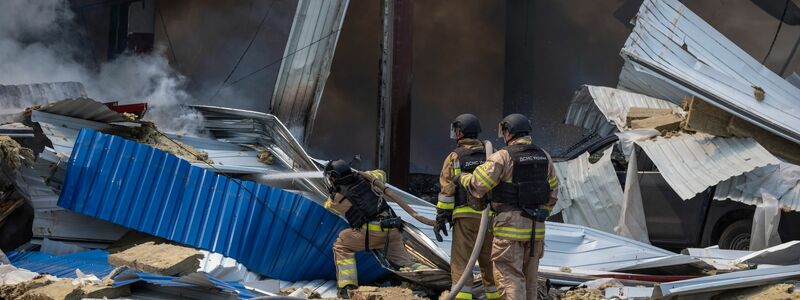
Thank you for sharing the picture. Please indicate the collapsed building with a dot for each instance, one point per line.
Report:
(105, 191)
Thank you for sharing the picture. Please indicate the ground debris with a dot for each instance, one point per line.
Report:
(13, 154)
(582, 294)
(775, 291)
(382, 293)
(164, 259)
(309, 293)
(16, 290)
(45, 287)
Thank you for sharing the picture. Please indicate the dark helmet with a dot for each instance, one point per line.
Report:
(338, 172)
(468, 124)
(516, 124)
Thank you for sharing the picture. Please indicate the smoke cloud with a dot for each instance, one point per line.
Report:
(41, 42)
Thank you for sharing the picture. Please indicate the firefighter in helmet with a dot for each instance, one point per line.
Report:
(524, 189)
(463, 212)
(373, 224)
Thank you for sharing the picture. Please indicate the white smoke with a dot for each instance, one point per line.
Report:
(40, 42)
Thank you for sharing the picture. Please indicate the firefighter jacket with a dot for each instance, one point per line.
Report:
(451, 168)
(499, 168)
(340, 205)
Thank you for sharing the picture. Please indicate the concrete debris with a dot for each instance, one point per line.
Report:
(382, 293)
(13, 154)
(164, 259)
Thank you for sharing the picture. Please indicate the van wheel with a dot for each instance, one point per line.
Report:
(736, 236)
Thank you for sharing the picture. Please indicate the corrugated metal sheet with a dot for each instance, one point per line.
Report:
(589, 194)
(255, 128)
(90, 262)
(24, 95)
(794, 79)
(86, 109)
(733, 280)
(305, 69)
(325, 288)
(603, 110)
(579, 247)
(271, 231)
(691, 163)
(208, 283)
(67, 225)
(62, 131)
(673, 53)
(782, 181)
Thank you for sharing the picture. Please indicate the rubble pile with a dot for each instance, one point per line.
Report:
(46, 287)
(382, 293)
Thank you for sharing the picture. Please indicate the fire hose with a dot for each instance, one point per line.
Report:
(382, 191)
(476, 249)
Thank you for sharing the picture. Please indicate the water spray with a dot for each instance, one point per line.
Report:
(291, 175)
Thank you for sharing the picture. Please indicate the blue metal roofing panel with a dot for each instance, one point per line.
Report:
(90, 262)
(271, 231)
(131, 277)
(96, 262)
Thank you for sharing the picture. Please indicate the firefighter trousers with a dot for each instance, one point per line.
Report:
(515, 270)
(465, 231)
(351, 241)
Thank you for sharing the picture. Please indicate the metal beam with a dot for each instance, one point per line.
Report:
(385, 86)
(401, 92)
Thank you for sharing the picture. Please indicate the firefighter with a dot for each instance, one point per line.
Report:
(373, 224)
(524, 189)
(461, 211)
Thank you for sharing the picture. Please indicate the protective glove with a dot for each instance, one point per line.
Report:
(443, 216)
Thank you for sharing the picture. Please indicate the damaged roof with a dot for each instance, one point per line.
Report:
(602, 110)
(673, 53)
(274, 232)
(691, 163)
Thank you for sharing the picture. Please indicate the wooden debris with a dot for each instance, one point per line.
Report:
(704, 117)
(638, 113)
(662, 123)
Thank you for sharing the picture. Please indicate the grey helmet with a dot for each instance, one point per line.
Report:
(516, 124)
(467, 123)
